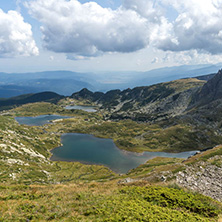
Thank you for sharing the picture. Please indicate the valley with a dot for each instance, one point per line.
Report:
(168, 117)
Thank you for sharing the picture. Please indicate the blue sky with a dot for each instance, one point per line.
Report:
(108, 35)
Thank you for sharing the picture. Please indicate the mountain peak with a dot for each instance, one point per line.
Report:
(212, 89)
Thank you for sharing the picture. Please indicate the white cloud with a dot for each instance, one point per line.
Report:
(144, 8)
(89, 30)
(77, 57)
(51, 58)
(15, 36)
(198, 26)
(155, 60)
(191, 57)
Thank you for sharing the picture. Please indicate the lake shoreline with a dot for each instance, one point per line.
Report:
(131, 158)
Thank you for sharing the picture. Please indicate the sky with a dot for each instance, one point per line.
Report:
(108, 35)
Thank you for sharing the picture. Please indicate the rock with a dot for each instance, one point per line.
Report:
(203, 178)
(163, 178)
(126, 180)
(211, 90)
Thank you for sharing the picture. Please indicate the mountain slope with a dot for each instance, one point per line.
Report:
(145, 103)
(212, 90)
(30, 98)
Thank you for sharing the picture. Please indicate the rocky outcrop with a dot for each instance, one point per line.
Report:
(203, 178)
(211, 91)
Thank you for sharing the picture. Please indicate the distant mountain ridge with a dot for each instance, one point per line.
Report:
(148, 103)
(61, 82)
(67, 82)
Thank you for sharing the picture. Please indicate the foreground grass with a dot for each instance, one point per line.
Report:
(104, 202)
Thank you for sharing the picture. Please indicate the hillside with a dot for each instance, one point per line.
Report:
(188, 100)
(29, 98)
(168, 118)
(34, 188)
(146, 103)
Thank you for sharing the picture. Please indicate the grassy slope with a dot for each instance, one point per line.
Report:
(104, 202)
(184, 84)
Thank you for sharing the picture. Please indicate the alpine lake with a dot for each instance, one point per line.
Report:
(88, 149)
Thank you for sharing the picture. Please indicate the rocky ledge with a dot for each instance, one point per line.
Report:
(203, 178)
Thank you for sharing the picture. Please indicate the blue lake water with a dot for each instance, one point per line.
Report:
(85, 108)
(38, 120)
(88, 149)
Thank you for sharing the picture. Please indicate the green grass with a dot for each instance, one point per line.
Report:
(104, 202)
(91, 192)
(212, 154)
(154, 166)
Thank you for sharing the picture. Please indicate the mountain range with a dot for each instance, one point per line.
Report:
(67, 82)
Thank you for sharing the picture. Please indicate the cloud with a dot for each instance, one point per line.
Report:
(77, 57)
(155, 60)
(191, 57)
(90, 30)
(51, 58)
(15, 36)
(198, 26)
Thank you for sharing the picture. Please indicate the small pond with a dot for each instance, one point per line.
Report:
(88, 149)
(39, 120)
(84, 108)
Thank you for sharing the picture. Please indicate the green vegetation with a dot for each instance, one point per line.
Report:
(34, 109)
(25, 149)
(184, 84)
(104, 202)
(154, 167)
(207, 156)
(137, 137)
